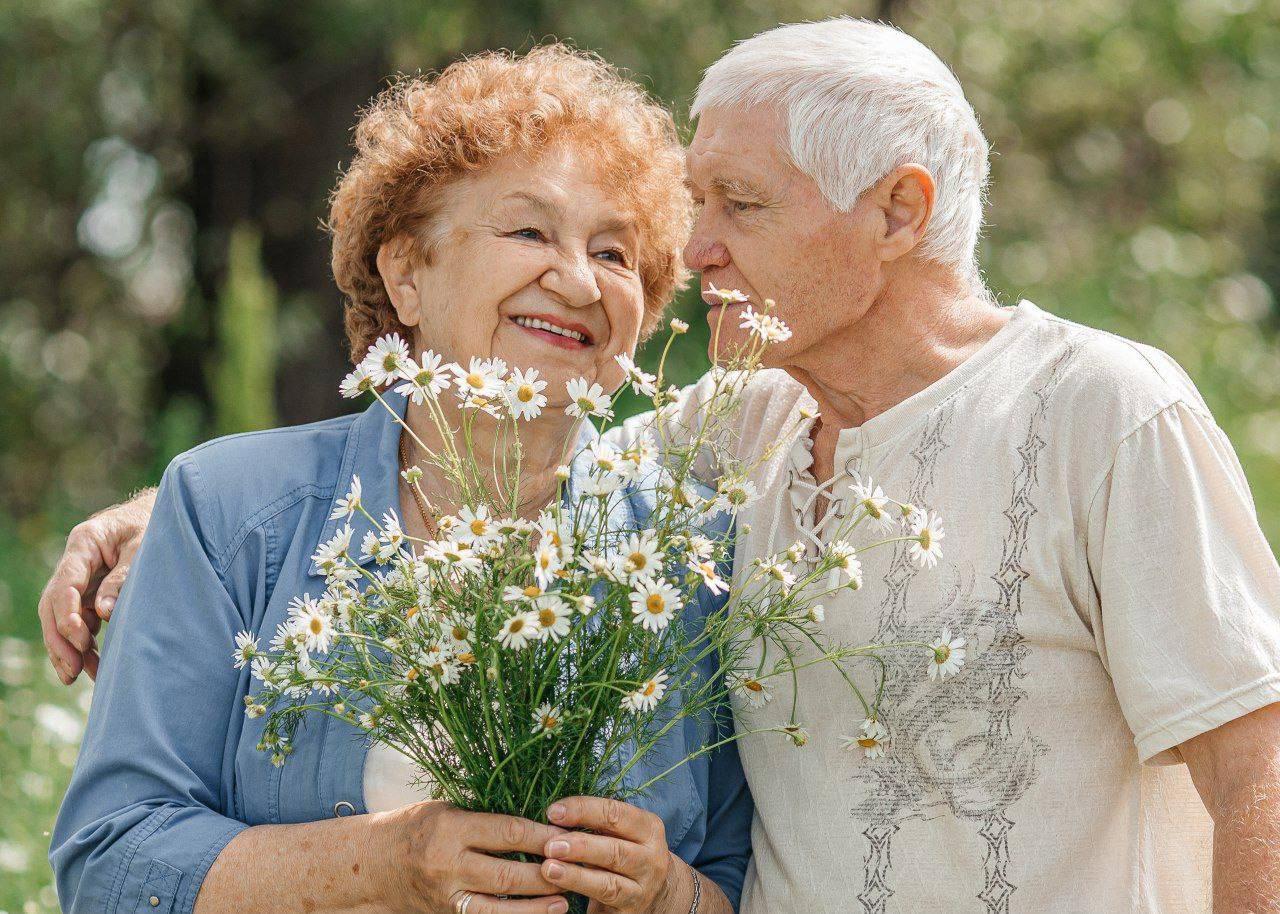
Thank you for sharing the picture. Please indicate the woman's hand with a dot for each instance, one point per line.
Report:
(437, 852)
(86, 582)
(625, 867)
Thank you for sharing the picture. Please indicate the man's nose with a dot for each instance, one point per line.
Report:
(572, 280)
(704, 252)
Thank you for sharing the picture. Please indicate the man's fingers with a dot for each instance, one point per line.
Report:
(603, 852)
(109, 589)
(489, 904)
(69, 622)
(605, 887)
(612, 817)
(91, 664)
(504, 877)
(66, 659)
(492, 832)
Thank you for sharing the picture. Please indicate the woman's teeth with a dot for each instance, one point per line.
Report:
(534, 324)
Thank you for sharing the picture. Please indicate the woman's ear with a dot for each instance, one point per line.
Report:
(905, 197)
(398, 269)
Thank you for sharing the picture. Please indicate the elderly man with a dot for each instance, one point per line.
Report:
(1102, 557)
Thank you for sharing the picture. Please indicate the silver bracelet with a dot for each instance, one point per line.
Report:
(697, 892)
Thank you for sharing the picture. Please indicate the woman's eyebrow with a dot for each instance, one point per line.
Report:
(541, 204)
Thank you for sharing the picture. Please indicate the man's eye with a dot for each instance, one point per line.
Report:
(742, 206)
(530, 233)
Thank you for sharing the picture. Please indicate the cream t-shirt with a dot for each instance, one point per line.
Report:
(1103, 560)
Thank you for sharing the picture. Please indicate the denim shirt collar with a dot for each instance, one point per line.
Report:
(373, 454)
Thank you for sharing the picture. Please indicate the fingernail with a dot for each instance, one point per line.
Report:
(106, 604)
(558, 907)
(556, 812)
(556, 848)
(555, 870)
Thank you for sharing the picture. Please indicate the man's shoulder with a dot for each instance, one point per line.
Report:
(1112, 383)
(233, 481)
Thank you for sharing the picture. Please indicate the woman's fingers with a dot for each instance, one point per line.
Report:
(504, 877)
(489, 904)
(608, 888)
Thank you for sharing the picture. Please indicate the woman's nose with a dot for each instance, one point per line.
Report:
(573, 280)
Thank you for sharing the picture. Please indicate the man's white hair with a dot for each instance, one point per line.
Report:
(861, 98)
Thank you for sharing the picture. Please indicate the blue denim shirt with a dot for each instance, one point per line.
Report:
(168, 772)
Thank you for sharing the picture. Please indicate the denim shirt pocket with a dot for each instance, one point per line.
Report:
(675, 798)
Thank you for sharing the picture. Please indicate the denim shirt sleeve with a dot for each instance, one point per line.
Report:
(144, 816)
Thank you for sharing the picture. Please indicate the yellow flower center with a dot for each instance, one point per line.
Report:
(549, 721)
(868, 743)
(531, 590)
(638, 560)
(649, 688)
(317, 626)
(478, 527)
(412, 674)
(476, 381)
(525, 393)
(925, 538)
(655, 604)
(546, 617)
(942, 654)
(460, 633)
(516, 625)
(585, 404)
(752, 686)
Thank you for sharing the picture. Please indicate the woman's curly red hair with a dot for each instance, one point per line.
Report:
(422, 133)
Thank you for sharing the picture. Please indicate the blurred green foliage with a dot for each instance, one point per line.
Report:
(166, 163)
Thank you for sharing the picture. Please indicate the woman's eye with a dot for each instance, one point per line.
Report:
(616, 255)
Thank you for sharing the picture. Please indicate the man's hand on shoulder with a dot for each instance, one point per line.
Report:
(83, 589)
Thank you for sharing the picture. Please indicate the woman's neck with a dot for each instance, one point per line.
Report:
(545, 443)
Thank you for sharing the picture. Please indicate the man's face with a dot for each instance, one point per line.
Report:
(765, 229)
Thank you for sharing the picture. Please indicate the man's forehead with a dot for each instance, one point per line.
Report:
(737, 142)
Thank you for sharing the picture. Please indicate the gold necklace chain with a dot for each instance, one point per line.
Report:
(413, 490)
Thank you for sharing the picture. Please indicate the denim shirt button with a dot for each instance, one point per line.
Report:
(154, 901)
(343, 808)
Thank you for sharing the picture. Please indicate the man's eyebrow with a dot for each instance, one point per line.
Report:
(737, 187)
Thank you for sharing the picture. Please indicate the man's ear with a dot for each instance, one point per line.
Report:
(905, 197)
(398, 268)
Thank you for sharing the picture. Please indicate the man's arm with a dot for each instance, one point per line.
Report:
(1236, 769)
(86, 582)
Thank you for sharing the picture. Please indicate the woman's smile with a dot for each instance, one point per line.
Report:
(553, 331)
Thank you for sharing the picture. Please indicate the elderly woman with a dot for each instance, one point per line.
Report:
(530, 209)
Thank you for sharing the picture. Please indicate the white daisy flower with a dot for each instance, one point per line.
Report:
(524, 394)
(349, 504)
(263, 670)
(315, 626)
(654, 603)
(547, 561)
(423, 381)
(585, 602)
(846, 559)
(706, 569)
(452, 554)
(638, 557)
(475, 526)
(481, 378)
(641, 381)
(752, 690)
(728, 296)
(246, 649)
(513, 593)
(587, 400)
(765, 327)
(948, 656)
(356, 382)
(519, 630)
(926, 527)
(553, 616)
(799, 735)
(646, 697)
(601, 486)
(816, 613)
(604, 459)
(458, 629)
(776, 570)
(871, 498)
(332, 553)
(679, 326)
(387, 358)
(547, 719)
(871, 740)
(733, 495)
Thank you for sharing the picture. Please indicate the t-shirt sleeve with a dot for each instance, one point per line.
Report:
(1189, 590)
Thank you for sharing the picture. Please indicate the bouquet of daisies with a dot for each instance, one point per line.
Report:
(517, 661)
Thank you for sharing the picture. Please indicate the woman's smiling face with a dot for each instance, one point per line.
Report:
(532, 262)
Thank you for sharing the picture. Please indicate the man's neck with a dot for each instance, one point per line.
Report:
(903, 344)
(545, 443)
